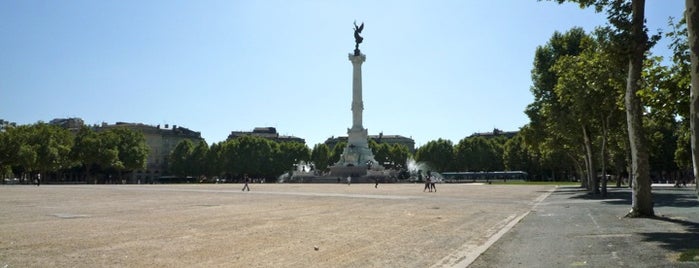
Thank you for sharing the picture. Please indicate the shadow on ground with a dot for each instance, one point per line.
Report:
(680, 205)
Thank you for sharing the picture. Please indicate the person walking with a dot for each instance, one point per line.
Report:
(427, 184)
(349, 180)
(246, 186)
(432, 181)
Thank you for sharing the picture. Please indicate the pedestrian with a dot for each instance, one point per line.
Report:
(427, 184)
(377, 183)
(432, 181)
(246, 180)
(349, 180)
(38, 180)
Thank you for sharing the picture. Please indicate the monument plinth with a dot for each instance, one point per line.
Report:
(357, 158)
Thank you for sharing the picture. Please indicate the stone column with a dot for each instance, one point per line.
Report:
(357, 136)
(357, 103)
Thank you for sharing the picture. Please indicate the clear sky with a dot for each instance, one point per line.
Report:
(434, 69)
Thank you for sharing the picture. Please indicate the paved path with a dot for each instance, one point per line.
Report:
(571, 229)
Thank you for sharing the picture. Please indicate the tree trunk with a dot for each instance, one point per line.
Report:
(641, 198)
(605, 127)
(593, 186)
(579, 171)
(692, 17)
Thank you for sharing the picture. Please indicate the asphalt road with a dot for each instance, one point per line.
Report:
(572, 229)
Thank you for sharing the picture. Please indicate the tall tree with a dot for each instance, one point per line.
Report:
(320, 156)
(337, 152)
(87, 149)
(399, 154)
(629, 20)
(181, 163)
(642, 200)
(554, 131)
(692, 17)
(52, 145)
(198, 158)
(438, 154)
(250, 155)
(516, 155)
(214, 166)
(132, 148)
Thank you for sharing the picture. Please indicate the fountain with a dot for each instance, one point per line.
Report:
(418, 171)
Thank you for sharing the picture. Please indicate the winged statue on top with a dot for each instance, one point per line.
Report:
(357, 38)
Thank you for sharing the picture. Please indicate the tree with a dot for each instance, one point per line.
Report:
(181, 163)
(516, 155)
(399, 154)
(337, 152)
(320, 156)
(291, 153)
(198, 159)
(214, 160)
(52, 145)
(554, 132)
(88, 150)
(381, 151)
(642, 200)
(438, 154)
(590, 84)
(131, 147)
(692, 17)
(628, 18)
(249, 155)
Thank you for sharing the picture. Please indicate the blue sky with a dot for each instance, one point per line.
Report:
(434, 69)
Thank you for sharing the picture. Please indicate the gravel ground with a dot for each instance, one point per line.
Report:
(274, 225)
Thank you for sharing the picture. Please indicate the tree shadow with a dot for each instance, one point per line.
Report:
(663, 197)
(680, 203)
(675, 241)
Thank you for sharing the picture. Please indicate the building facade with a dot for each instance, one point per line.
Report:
(267, 133)
(161, 141)
(381, 138)
(496, 133)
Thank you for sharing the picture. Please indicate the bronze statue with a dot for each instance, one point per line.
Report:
(357, 38)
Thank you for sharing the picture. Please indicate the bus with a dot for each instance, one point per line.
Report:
(484, 176)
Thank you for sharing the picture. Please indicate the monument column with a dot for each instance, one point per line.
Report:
(357, 158)
(357, 103)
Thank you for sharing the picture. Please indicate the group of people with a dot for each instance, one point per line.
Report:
(429, 183)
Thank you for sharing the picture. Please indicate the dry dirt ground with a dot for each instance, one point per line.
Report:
(274, 225)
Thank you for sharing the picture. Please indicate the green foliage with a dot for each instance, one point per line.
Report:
(479, 154)
(516, 155)
(215, 162)
(291, 153)
(132, 148)
(398, 155)
(181, 161)
(382, 152)
(51, 147)
(437, 154)
(320, 156)
(337, 152)
(88, 150)
(198, 158)
(690, 255)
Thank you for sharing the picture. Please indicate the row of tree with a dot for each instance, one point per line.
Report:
(53, 151)
(603, 103)
(264, 158)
